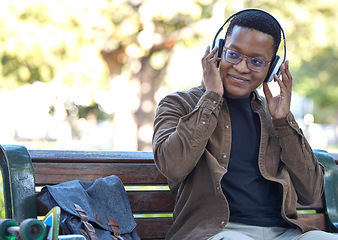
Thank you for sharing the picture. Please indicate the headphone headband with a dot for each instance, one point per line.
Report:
(251, 9)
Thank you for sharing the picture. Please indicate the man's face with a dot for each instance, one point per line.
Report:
(238, 80)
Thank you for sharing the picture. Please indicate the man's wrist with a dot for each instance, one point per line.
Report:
(280, 122)
(285, 126)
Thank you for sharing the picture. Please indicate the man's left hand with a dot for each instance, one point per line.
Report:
(279, 106)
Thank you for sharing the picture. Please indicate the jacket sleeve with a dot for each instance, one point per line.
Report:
(181, 132)
(307, 174)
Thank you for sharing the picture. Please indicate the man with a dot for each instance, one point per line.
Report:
(237, 163)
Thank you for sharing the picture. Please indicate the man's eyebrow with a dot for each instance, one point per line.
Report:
(254, 55)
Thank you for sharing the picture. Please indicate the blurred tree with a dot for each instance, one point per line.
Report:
(43, 41)
(319, 82)
(61, 41)
(144, 43)
(311, 33)
(154, 29)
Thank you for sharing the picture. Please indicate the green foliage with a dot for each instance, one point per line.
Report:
(84, 112)
(48, 40)
(23, 69)
(316, 79)
(311, 34)
(43, 41)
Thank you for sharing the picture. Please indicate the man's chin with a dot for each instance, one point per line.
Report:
(236, 94)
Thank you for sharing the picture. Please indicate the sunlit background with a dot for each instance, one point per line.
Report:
(87, 75)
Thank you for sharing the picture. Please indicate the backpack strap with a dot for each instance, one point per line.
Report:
(89, 229)
(115, 226)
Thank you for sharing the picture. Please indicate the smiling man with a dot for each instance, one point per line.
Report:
(237, 162)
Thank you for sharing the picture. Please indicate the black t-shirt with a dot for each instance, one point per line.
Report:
(252, 199)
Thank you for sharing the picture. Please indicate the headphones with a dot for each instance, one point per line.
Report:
(277, 60)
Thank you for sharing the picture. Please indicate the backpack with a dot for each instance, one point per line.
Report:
(97, 209)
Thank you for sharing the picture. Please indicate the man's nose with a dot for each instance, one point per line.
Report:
(242, 66)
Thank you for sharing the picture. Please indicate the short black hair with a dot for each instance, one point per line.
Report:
(260, 21)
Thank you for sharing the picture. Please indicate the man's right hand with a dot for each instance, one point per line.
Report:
(211, 75)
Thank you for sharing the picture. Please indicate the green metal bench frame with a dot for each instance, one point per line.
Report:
(330, 188)
(18, 182)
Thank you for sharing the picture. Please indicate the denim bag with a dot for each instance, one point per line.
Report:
(97, 209)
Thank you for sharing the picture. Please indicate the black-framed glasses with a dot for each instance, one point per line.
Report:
(253, 64)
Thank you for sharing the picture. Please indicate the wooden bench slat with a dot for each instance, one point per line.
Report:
(152, 228)
(133, 173)
(58, 156)
(151, 201)
(143, 202)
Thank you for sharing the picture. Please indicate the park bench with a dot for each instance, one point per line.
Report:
(26, 171)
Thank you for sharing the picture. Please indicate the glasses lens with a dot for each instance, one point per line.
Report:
(233, 56)
(255, 64)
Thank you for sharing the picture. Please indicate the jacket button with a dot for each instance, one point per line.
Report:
(224, 156)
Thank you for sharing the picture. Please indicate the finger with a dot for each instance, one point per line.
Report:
(283, 76)
(286, 76)
(215, 59)
(267, 92)
(213, 52)
(277, 79)
(285, 90)
(207, 51)
(282, 86)
(287, 71)
(204, 58)
(209, 55)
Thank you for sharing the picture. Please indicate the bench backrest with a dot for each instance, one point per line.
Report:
(150, 199)
(149, 196)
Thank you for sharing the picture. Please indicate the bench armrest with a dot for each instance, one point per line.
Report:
(18, 181)
(330, 187)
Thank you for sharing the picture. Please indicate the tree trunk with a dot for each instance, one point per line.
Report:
(150, 80)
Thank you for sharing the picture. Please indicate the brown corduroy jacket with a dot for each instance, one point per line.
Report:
(191, 145)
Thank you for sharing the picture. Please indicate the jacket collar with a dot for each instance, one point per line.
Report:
(254, 95)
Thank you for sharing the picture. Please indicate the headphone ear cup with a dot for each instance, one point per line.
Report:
(220, 44)
(274, 69)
